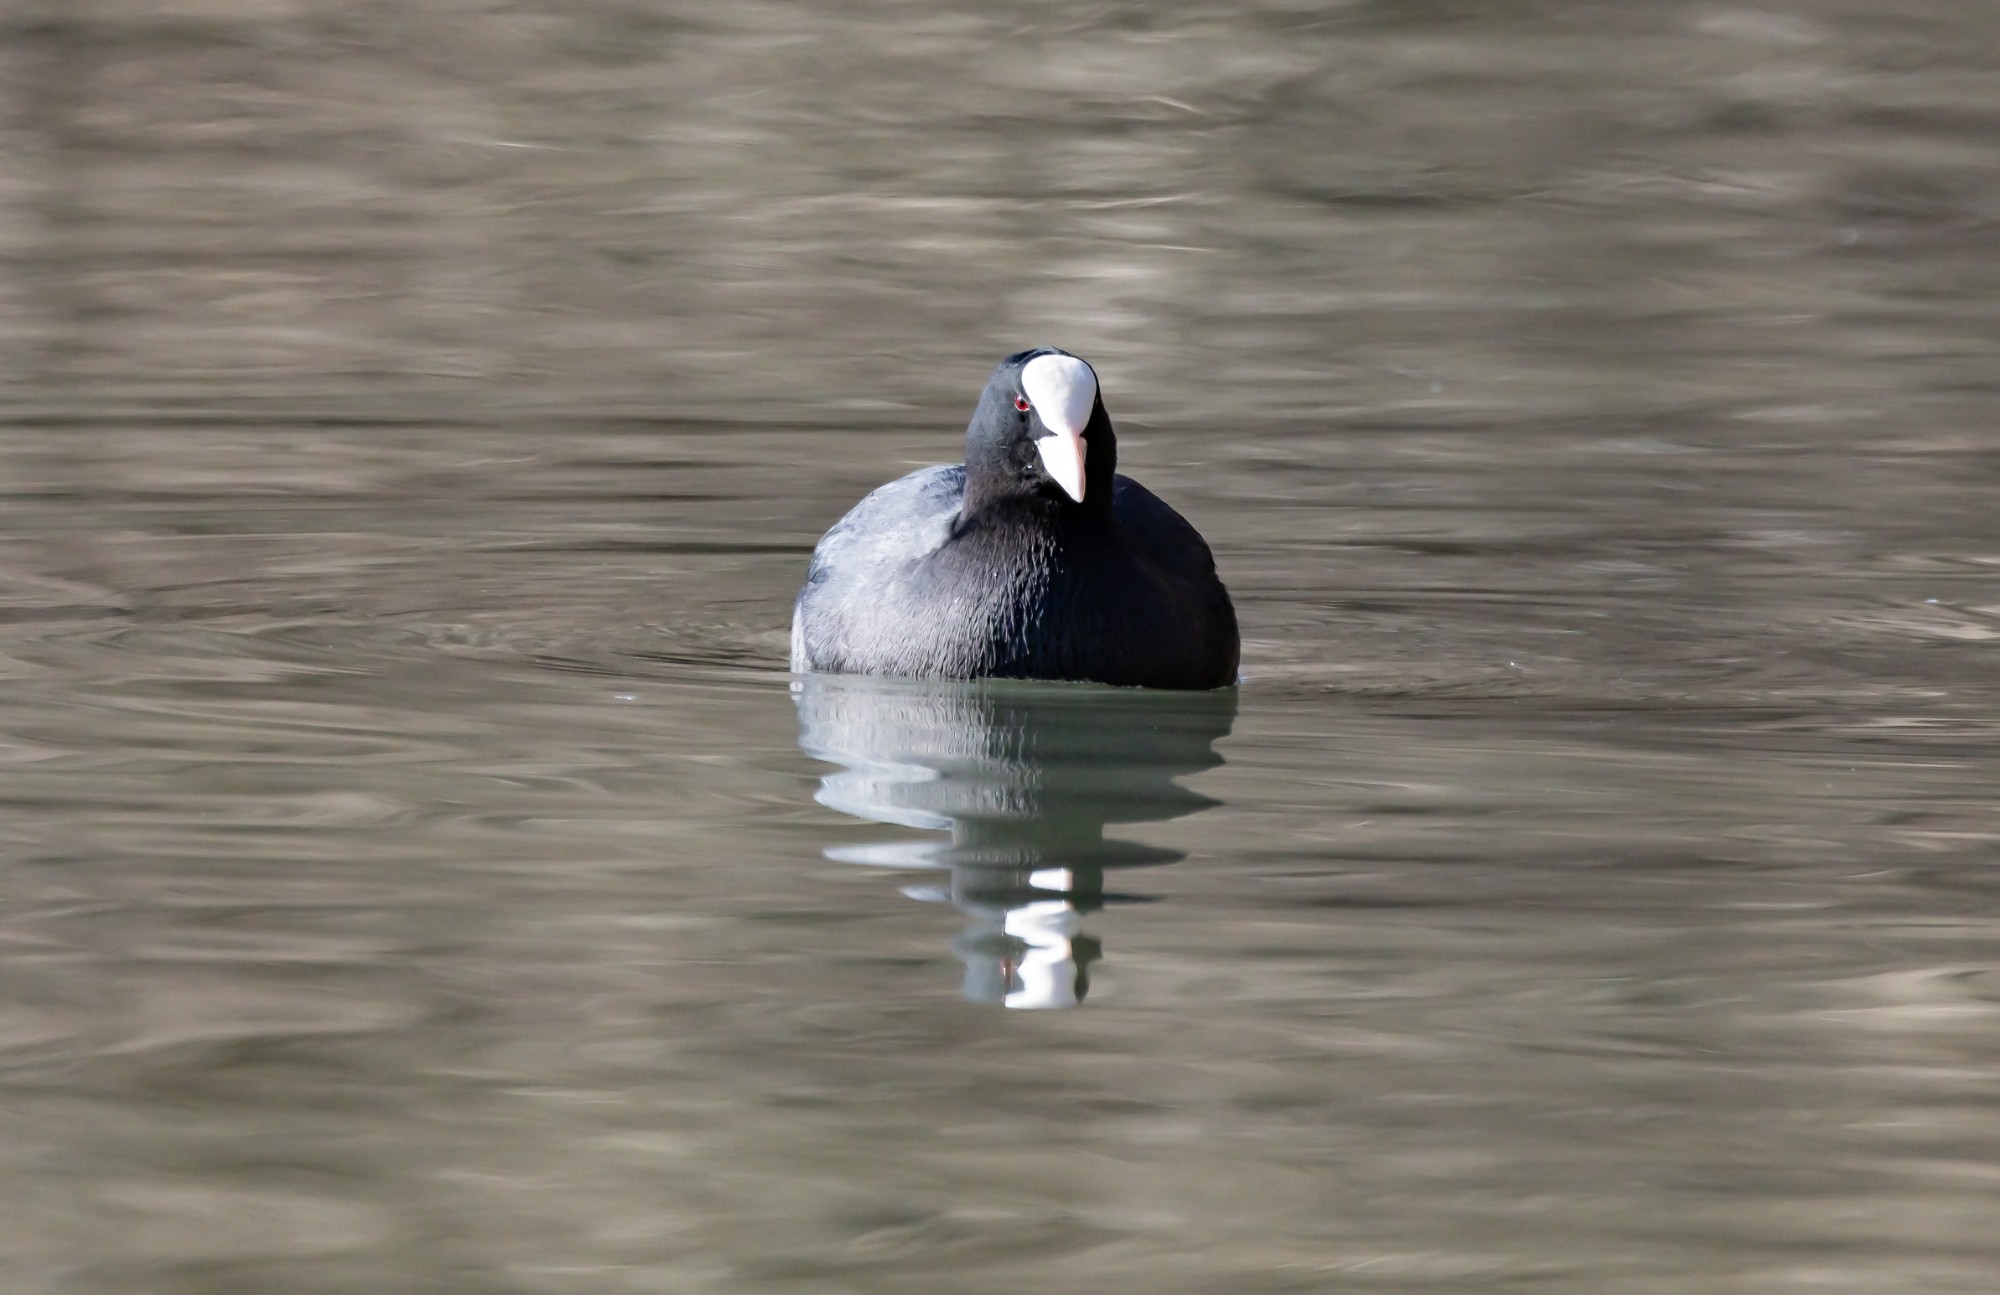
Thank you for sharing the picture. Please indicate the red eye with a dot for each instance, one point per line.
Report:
(1021, 403)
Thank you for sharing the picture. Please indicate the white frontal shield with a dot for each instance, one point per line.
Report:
(1063, 391)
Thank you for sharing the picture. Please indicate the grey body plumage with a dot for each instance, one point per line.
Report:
(993, 569)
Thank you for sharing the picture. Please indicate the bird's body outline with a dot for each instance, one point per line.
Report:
(992, 569)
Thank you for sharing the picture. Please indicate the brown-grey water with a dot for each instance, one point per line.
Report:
(419, 873)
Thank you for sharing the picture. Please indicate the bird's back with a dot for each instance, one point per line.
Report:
(901, 586)
(856, 612)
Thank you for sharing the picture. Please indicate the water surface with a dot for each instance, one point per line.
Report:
(418, 873)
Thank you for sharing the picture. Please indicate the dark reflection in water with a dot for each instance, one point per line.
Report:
(1024, 777)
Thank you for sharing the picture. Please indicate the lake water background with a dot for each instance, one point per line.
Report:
(418, 873)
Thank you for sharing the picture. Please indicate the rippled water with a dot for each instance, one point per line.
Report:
(418, 873)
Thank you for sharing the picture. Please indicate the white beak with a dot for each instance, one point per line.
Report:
(1063, 391)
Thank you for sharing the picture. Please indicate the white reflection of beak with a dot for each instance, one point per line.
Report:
(1048, 969)
(1063, 391)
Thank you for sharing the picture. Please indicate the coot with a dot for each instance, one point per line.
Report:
(1032, 560)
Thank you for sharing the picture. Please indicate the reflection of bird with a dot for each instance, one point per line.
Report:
(1033, 560)
(1024, 777)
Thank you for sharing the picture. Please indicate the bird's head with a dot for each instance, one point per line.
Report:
(1040, 428)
